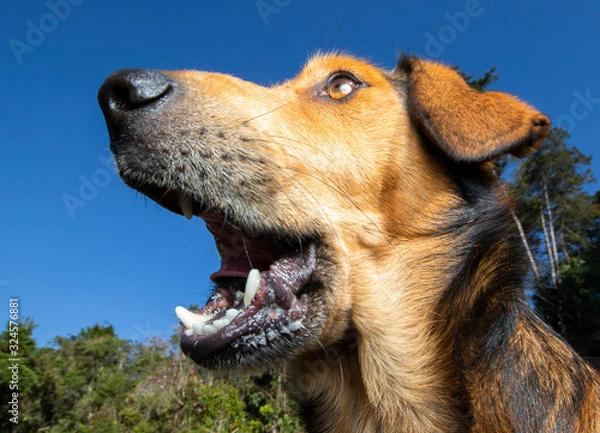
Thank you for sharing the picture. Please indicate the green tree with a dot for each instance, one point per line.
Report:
(578, 293)
(553, 206)
(17, 358)
(558, 218)
(83, 378)
(96, 382)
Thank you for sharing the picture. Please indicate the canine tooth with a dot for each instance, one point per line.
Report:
(190, 319)
(239, 295)
(189, 332)
(220, 323)
(232, 313)
(252, 284)
(186, 204)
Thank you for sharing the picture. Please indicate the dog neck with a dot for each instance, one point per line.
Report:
(396, 368)
(443, 339)
(425, 354)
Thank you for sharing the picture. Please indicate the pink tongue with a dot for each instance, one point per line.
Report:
(239, 252)
(231, 270)
(238, 265)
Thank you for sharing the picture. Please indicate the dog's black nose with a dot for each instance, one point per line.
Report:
(128, 92)
(130, 89)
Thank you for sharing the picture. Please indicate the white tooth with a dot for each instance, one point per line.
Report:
(186, 204)
(189, 319)
(209, 329)
(198, 328)
(252, 284)
(189, 332)
(220, 323)
(232, 313)
(239, 295)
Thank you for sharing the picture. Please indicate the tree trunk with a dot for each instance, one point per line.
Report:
(550, 241)
(534, 266)
(551, 262)
(551, 226)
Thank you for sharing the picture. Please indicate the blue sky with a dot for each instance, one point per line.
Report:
(118, 257)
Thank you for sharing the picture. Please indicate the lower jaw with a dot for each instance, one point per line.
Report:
(254, 347)
(272, 325)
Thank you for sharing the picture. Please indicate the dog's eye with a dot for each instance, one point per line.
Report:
(341, 85)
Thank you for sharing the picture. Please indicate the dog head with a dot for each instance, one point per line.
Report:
(317, 190)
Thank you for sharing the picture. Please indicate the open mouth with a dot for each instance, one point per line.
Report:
(259, 309)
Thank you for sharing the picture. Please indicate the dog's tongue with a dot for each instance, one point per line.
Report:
(239, 251)
(231, 270)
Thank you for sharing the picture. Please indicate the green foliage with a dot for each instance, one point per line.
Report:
(561, 222)
(26, 377)
(96, 382)
(562, 171)
(574, 306)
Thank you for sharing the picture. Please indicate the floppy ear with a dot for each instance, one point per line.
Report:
(469, 126)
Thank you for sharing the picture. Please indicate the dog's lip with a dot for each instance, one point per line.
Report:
(165, 196)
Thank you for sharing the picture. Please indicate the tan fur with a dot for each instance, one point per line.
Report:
(472, 125)
(399, 339)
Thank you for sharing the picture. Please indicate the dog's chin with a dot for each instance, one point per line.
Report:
(268, 304)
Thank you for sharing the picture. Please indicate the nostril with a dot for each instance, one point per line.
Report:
(131, 89)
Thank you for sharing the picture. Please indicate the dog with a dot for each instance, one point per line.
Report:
(366, 241)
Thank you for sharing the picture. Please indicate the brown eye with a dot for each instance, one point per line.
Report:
(341, 85)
